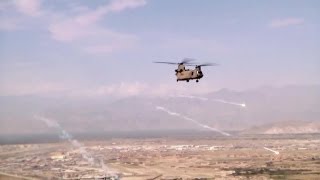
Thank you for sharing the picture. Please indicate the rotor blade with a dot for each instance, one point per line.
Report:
(163, 62)
(204, 64)
(187, 60)
(209, 64)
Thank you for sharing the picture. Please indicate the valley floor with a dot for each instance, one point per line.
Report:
(244, 157)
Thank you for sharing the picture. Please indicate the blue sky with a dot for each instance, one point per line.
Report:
(106, 48)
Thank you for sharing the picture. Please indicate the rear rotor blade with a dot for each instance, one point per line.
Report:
(204, 64)
(209, 64)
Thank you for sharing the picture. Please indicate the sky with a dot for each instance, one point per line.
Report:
(81, 48)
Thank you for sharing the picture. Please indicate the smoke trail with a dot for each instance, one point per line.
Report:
(63, 134)
(228, 102)
(206, 99)
(191, 120)
(275, 152)
(105, 168)
(191, 97)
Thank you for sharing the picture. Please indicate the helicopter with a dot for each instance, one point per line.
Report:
(184, 74)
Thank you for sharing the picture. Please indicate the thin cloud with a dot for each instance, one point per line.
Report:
(93, 16)
(28, 7)
(84, 29)
(86, 24)
(79, 27)
(15, 12)
(281, 23)
(120, 5)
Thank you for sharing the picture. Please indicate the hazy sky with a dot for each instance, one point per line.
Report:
(106, 48)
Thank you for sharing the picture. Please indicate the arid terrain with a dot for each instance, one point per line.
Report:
(240, 157)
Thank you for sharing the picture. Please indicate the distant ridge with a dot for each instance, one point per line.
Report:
(288, 109)
(287, 127)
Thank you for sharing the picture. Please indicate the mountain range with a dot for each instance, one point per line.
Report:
(289, 109)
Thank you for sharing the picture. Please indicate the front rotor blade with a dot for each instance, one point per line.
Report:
(187, 60)
(163, 62)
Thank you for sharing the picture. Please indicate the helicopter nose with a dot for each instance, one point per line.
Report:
(200, 74)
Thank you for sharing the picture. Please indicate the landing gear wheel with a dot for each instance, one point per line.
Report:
(177, 80)
(197, 80)
(187, 80)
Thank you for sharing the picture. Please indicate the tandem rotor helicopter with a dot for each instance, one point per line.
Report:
(184, 74)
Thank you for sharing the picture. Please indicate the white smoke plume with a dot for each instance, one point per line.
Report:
(48, 122)
(63, 134)
(275, 152)
(104, 167)
(191, 120)
(206, 99)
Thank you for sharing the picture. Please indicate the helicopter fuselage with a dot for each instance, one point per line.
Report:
(184, 74)
(188, 74)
